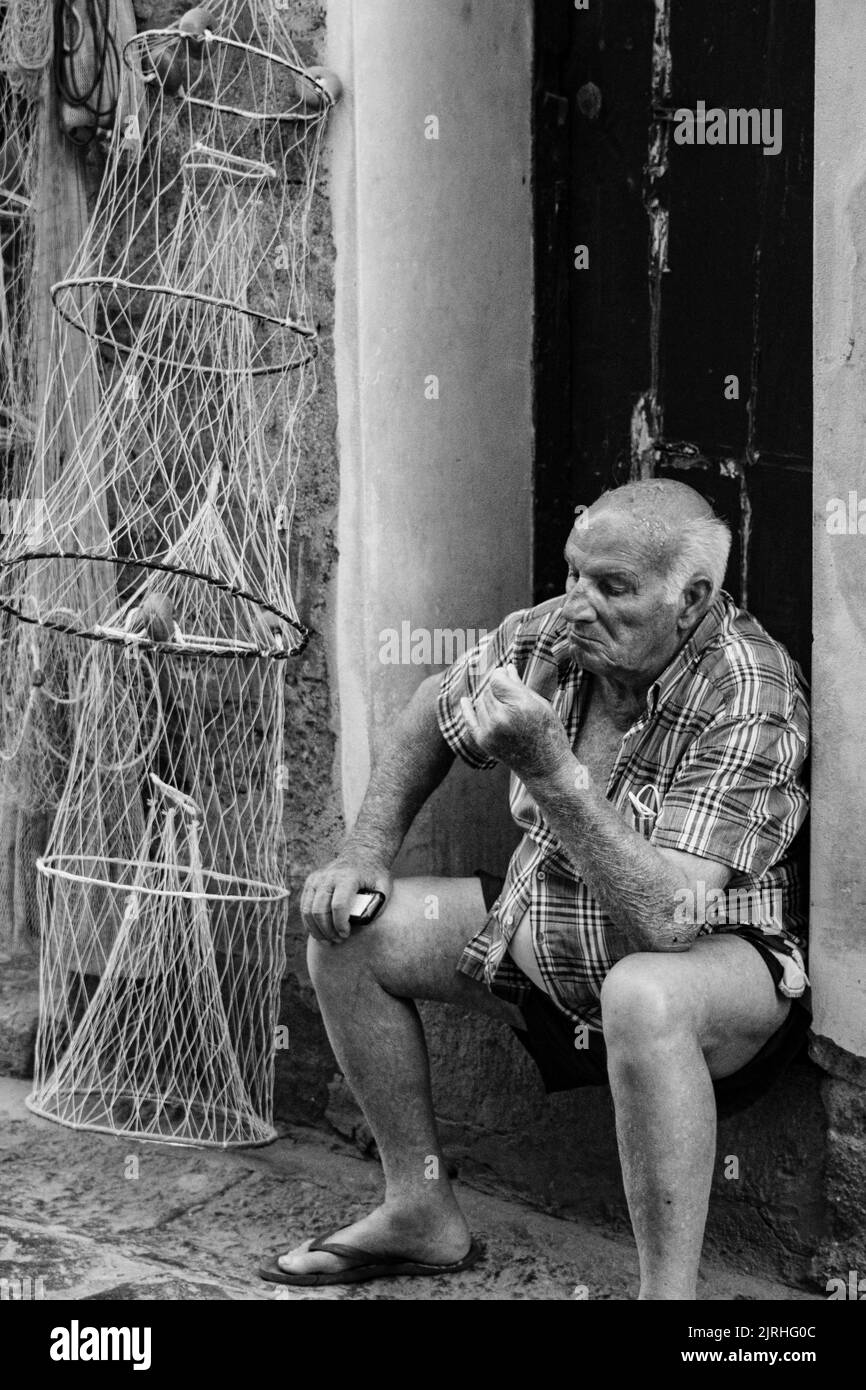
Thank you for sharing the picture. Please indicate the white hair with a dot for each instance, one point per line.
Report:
(701, 552)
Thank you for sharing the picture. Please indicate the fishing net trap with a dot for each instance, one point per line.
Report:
(146, 572)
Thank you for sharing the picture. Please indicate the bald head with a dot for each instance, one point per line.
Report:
(674, 526)
(657, 501)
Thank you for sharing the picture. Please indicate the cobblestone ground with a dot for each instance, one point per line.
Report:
(84, 1216)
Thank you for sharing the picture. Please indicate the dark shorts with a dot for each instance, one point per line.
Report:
(549, 1038)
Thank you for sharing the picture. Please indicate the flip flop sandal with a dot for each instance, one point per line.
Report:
(364, 1265)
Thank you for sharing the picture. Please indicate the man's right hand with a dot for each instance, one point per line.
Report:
(328, 893)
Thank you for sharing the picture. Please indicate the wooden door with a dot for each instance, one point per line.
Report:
(683, 346)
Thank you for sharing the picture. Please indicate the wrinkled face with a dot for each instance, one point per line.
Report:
(619, 623)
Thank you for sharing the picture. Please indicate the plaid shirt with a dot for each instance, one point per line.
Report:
(712, 768)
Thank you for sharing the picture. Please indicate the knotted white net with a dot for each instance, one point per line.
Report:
(18, 127)
(154, 596)
(26, 42)
(190, 290)
(25, 792)
(163, 903)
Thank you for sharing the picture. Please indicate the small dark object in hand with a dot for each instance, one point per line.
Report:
(365, 906)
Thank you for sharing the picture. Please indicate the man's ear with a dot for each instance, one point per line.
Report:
(696, 599)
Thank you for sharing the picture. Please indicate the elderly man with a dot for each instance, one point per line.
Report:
(656, 737)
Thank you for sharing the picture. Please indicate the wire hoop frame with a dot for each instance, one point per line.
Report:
(142, 42)
(201, 647)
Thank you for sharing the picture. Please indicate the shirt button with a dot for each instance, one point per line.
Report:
(541, 875)
(509, 921)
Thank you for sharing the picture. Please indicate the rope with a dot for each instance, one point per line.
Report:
(86, 65)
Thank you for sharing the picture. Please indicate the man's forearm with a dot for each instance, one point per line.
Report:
(634, 883)
(415, 761)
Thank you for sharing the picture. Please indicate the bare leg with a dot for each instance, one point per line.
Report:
(366, 988)
(672, 1022)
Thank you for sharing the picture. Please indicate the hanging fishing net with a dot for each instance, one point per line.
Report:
(163, 903)
(26, 42)
(25, 794)
(153, 604)
(189, 290)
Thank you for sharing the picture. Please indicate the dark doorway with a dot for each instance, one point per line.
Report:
(699, 271)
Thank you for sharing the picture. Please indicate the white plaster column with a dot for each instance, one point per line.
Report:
(434, 279)
(838, 915)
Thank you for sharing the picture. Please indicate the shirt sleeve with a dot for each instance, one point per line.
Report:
(738, 795)
(468, 677)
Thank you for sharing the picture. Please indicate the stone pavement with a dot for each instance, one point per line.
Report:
(93, 1217)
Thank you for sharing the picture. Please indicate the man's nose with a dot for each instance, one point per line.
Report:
(578, 607)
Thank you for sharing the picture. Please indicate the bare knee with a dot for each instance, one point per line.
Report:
(409, 952)
(642, 1003)
(327, 962)
(368, 949)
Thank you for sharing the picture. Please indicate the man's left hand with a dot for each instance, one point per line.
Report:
(516, 726)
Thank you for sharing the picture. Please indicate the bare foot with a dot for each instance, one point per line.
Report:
(434, 1237)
